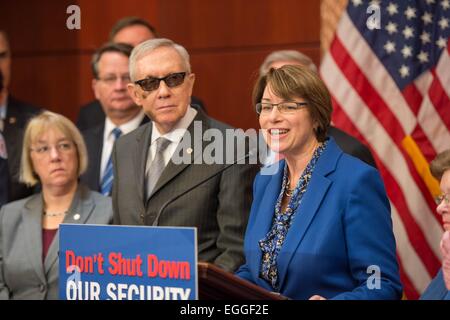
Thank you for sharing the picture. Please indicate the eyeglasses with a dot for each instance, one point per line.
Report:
(110, 80)
(62, 147)
(172, 80)
(283, 107)
(442, 197)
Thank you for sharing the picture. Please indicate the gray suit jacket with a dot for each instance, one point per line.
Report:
(215, 198)
(23, 275)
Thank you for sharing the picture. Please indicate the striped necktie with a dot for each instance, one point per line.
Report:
(157, 166)
(108, 177)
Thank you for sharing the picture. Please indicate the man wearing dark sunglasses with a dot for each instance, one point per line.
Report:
(132, 31)
(150, 188)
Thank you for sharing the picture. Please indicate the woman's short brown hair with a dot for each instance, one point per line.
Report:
(290, 82)
(440, 164)
(35, 128)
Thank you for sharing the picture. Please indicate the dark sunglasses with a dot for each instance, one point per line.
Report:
(172, 80)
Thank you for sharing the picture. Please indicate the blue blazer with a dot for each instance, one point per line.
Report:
(341, 228)
(436, 290)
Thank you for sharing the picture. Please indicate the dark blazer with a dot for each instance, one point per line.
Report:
(23, 275)
(17, 115)
(215, 198)
(92, 114)
(436, 290)
(351, 145)
(341, 227)
(94, 144)
(4, 179)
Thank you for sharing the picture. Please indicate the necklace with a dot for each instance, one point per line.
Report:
(288, 192)
(54, 214)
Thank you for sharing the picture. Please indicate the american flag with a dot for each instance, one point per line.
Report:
(390, 85)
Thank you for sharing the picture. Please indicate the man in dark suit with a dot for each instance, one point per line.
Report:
(111, 76)
(130, 30)
(346, 142)
(14, 116)
(152, 187)
(4, 175)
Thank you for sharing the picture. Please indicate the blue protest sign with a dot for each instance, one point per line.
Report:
(99, 262)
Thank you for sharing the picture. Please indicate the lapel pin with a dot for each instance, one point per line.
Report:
(189, 150)
(76, 216)
(12, 120)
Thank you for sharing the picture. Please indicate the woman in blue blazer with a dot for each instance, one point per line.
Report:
(439, 288)
(320, 227)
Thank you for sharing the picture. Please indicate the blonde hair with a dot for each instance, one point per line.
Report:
(35, 128)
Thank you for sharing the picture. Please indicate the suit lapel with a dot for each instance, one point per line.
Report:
(32, 219)
(98, 153)
(306, 211)
(140, 155)
(94, 142)
(79, 212)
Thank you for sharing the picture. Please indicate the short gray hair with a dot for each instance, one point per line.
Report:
(287, 55)
(148, 46)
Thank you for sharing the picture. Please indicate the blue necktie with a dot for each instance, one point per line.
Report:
(108, 177)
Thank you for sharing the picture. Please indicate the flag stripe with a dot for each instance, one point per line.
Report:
(433, 126)
(413, 97)
(353, 42)
(389, 154)
(422, 168)
(410, 292)
(377, 106)
(411, 263)
(422, 84)
(365, 90)
(438, 97)
(356, 47)
(391, 89)
(442, 68)
(425, 145)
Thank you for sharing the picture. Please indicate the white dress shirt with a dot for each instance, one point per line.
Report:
(108, 137)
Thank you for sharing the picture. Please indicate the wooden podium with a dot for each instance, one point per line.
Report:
(217, 284)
